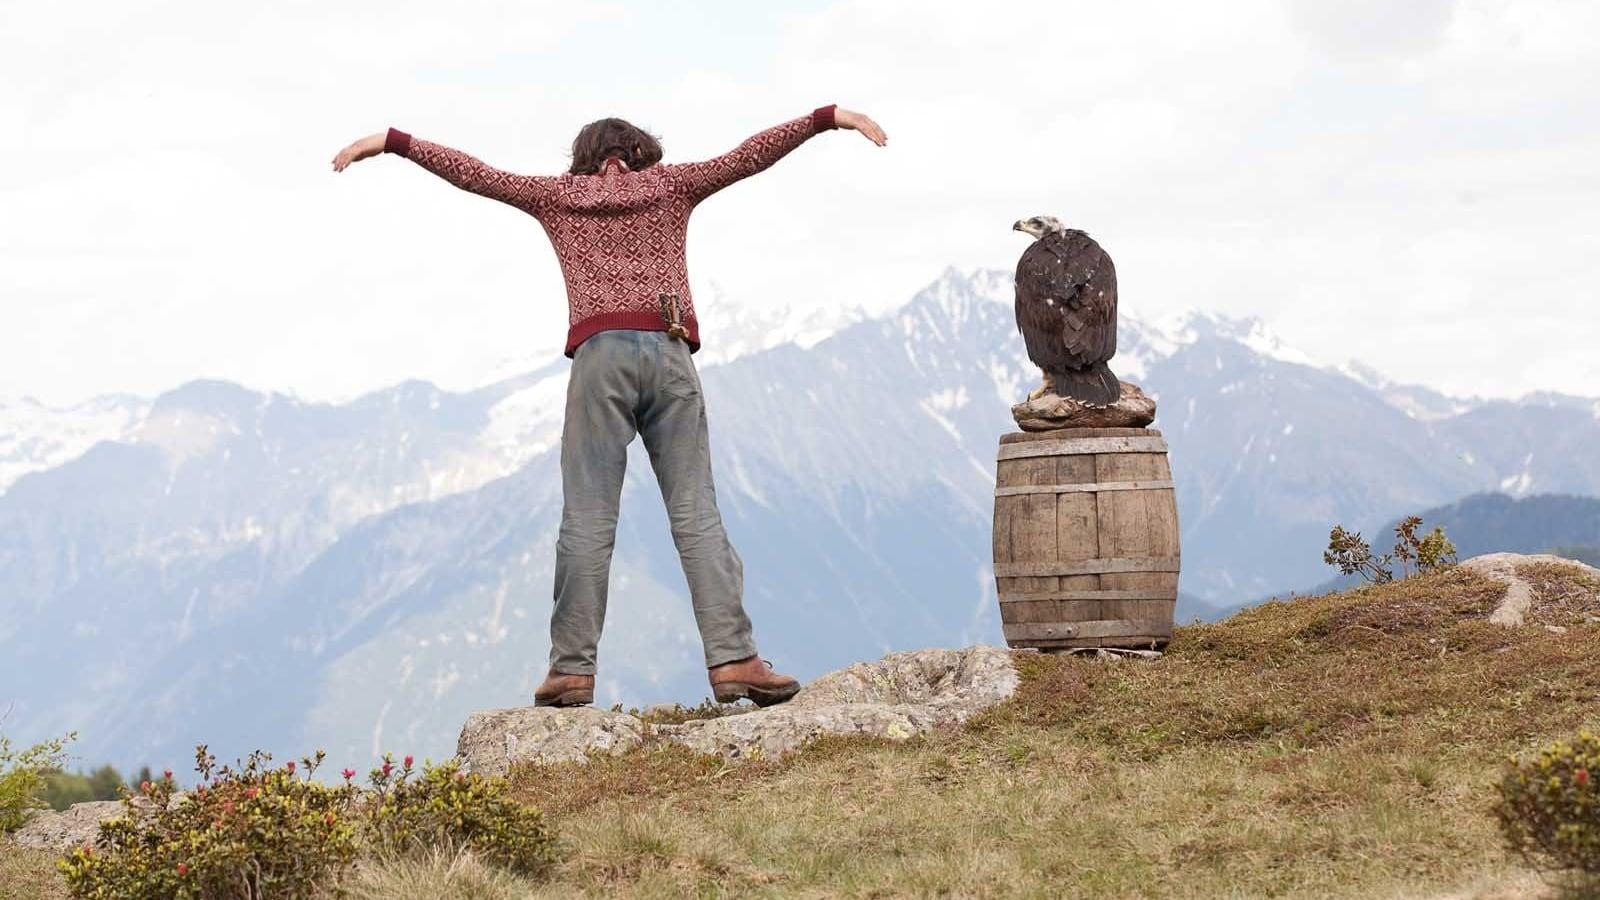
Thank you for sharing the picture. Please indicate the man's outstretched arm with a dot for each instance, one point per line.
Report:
(702, 179)
(530, 193)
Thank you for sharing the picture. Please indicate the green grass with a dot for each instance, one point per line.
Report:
(1336, 746)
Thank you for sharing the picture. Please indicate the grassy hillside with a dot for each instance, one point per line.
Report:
(1337, 746)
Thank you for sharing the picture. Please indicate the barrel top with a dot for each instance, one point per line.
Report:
(1056, 434)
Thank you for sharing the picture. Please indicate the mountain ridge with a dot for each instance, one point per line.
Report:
(30, 422)
(355, 576)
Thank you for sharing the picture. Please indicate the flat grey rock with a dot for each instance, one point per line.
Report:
(491, 742)
(74, 826)
(896, 697)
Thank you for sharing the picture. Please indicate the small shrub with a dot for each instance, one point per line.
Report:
(1352, 555)
(263, 831)
(23, 776)
(444, 807)
(1549, 806)
(258, 831)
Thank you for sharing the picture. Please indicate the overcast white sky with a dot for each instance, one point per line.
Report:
(1415, 185)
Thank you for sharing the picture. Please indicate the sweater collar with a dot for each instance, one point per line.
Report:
(613, 164)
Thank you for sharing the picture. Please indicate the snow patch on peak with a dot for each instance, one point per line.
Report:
(526, 423)
(1266, 342)
(956, 292)
(35, 437)
(732, 330)
(1141, 344)
(1358, 371)
(1418, 402)
(1521, 483)
(1189, 327)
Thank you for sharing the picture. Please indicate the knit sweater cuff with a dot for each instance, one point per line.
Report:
(397, 142)
(822, 118)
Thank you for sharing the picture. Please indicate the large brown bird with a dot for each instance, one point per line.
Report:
(1067, 311)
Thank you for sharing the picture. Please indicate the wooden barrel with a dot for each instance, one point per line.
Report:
(1085, 538)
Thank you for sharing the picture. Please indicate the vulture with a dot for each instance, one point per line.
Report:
(1067, 311)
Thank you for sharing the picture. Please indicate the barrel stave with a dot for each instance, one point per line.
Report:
(1031, 535)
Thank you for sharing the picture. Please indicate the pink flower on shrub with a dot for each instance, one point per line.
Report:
(328, 818)
(1582, 777)
(387, 768)
(167, 774)
(290, 767)
(253, 793)
(408, 761)
(183, 869)
(144, 787)
(349, 774)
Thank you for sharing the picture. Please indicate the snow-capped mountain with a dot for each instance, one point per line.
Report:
(35, 437)
(251, 570)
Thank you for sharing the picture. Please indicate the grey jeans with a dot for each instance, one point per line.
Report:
(622, 383)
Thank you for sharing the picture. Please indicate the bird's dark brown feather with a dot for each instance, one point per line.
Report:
(1080, 328)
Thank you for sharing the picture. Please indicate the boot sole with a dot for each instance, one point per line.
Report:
(576, 697)
(734, 691)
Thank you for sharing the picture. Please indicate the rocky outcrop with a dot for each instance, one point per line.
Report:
(72, 827)
(491, 741)
(896, 697)
(1133, 409)
(1520, 595)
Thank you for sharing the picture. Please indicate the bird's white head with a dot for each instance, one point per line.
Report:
(1039, 226)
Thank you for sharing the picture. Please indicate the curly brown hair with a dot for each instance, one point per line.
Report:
(613, 137)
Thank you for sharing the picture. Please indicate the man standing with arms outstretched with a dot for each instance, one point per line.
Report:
(618, 220)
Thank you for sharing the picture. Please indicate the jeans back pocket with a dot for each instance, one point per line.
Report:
(678, 376)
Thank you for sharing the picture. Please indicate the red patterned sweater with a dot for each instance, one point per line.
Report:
(619, 234)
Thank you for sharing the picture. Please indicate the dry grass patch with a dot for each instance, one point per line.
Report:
(658, 769)
(1561, 596)
(441, 875)
(29, 874)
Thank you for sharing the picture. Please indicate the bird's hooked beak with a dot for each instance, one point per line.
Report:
(1039, 226)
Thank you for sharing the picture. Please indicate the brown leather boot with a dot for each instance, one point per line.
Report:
(561, 689)
(751, 677)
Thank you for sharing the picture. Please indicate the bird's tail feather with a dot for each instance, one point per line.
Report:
(1095, 385)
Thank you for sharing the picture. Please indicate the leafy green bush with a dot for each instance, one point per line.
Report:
(1549, 806)
(258, 831)
(262, 831)
(445, 807)
(22, 778)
